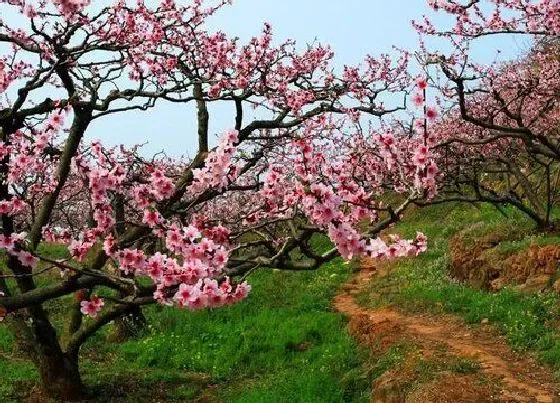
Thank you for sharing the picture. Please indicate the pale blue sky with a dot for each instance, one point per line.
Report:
(352, 27)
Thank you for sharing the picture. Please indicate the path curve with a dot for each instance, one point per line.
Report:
(522, 379)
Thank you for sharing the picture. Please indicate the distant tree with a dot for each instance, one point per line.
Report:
(498, 138)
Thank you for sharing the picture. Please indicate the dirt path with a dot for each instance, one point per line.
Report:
(509, 377)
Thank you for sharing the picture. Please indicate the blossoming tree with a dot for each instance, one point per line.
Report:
(498, 140)
(183, 232)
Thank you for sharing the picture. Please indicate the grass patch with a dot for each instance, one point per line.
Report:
(17, 375)
(463, 365)
(393, 357)
(258, 349)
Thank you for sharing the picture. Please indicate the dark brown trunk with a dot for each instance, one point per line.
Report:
(546, 226)
(60, 377)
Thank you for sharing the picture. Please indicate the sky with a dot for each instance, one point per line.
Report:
(353, 28)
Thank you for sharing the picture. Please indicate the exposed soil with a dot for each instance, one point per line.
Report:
(477, 260)
(501, 376)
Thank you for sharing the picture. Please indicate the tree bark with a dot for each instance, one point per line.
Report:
(60, 377)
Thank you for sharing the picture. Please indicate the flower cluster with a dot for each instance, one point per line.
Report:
(13, 245)
(67, 7)
(218, 169)
(92, 306)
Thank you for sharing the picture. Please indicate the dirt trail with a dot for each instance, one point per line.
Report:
(515, 377)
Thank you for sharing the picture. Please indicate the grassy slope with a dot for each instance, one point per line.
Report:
(530, 322)
(284, 344)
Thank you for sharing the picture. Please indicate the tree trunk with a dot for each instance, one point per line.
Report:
(546, 226)
(60, 377)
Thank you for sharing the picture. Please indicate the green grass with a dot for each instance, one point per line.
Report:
(283, 344)
(285, 329)
(528, 320)
(15, 376)
(464, 365)
(508, 247)
(393, 357)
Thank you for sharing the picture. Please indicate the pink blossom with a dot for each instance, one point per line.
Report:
(421, 83)
(7, 242)
(418, 99)
(26, 259)
(431, 113)
(92, 307)
(152, 218)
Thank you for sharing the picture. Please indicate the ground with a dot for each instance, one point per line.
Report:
(443, 340)
(442, 360)
(404, 330)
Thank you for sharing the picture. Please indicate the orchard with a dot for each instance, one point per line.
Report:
(314, 150)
